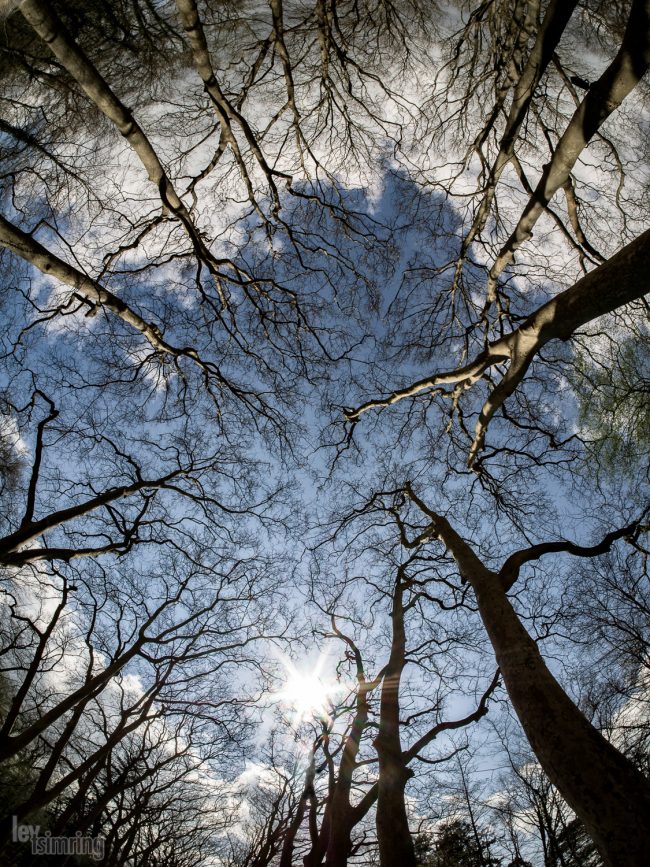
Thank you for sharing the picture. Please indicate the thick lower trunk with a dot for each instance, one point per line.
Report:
(315, 854)
(606, 791)
(339, 841)
(286, 856)
(331, 843)
(393, 835)
(340, 816)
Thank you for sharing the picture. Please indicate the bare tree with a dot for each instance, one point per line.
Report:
(577, 758)
(218, 219)
(409, 722)
(92, 663)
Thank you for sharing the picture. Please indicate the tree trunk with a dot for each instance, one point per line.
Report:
(393, 834)
(339, 841)
(43, 18)
(308, 796)
(603, 97)
(604, 789)
(334, 840)
(548, 37)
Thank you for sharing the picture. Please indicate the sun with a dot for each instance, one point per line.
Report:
(307, 693)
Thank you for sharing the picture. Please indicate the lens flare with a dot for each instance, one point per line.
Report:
(307, 693)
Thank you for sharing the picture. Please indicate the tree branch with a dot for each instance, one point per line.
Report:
(620, 280)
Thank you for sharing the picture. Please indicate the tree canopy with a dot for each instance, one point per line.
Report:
(324, 432)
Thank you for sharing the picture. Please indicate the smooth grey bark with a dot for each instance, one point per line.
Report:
(28, 248)
(226, 111)
(602, 99)
(548, 37)
(618, 281)
(95, 295)
(42, 17)
(605, 790)
(51, 30)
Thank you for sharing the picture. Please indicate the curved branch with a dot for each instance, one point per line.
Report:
(226, 111)
(620, 280)
(43, 19)
(548, 37)
(28, 532)
(509, 572)
(450, 725)
(29, 249)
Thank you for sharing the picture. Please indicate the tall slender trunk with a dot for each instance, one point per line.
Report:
(308, 796)
(604, 97)
(334, 841)
(548, 36)
(46, 23)
(393, 834)
(340, 822)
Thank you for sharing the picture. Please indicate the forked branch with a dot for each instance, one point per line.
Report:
(620, 280)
